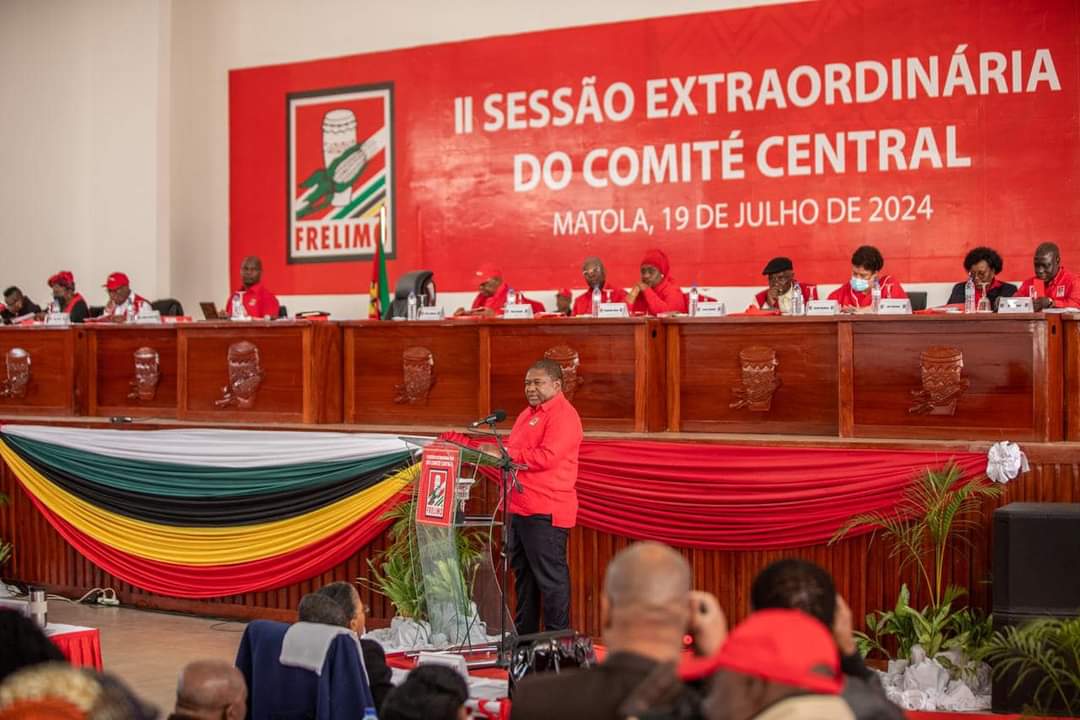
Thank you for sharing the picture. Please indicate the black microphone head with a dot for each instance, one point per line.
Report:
(499, 415)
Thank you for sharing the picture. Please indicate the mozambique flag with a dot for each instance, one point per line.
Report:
(380, 286)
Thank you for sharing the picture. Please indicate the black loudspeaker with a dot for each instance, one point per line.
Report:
(1036, 574)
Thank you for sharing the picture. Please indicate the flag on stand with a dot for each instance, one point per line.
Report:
(380, 285)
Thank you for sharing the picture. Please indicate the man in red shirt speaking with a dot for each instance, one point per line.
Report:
(546, 438)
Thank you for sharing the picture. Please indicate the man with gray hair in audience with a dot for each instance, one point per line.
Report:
(647, 609)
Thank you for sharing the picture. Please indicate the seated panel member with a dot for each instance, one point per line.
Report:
(491, 299)
(856, 294)
(656, 293)
(121, 298)
(563, 302)
(596, 277)
(781, 274)
(258, 301)
(65, 299)
(984, 265)
(18, 305)
(1055, 287)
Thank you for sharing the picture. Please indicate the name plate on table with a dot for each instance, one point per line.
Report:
(150, 318)
(431, 313)
(1015, 305)
(823, 307)
(710, 309)
(58, 319)
(894, 306)
(613, 310)
(521, 311)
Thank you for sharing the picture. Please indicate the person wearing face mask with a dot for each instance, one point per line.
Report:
(781, 274)
(856, 295)
(596, 277)
(65, 299)
(1054, 286)
(656, 293)
(983, 264)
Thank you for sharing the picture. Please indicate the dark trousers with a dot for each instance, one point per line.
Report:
(541, 575)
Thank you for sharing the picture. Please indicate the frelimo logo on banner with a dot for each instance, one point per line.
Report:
(340, 173)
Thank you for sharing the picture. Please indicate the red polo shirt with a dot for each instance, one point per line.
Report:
(583, 303)
(890, 288)
(259, 303)
(547, 439)
(1064, 289)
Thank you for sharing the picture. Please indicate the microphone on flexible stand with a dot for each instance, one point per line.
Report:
(496, 416)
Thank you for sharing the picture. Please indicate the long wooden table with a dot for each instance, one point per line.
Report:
(936, 377)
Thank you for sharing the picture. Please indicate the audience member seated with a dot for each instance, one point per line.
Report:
(430, 692)
(780, 272)
(257, 301)
(491, 299)
(17, 305)
(646, 610)
(58, 691)
(775, 665)
(65, 299)
(657, 292)
(210, 690)
(1052, 286)
(801, 585)
(983, 264)
(312, 668)
(355, 618)
(596, 277)
(420, 283)
(856, 295)
(23, 644)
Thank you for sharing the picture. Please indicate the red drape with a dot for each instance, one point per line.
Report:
(206, 581)
(730, 497)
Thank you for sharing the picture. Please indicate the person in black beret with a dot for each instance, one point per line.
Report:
(781, 274)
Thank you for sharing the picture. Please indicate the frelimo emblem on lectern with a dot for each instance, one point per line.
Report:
(340, 159)
(759, 379)
(943, 383)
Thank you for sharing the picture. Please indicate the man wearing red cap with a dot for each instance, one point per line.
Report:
(491, 299)
(65, 299)
(1052, 286)
(596, 277)
(656, 293)
(122, 302)
(257, 301)
(563, 299)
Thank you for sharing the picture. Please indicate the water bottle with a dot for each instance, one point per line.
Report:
(969, 295)
(54, 306)
(129, 312)
(39, 607)
(369, 714)
(875, 295)
(693, 300)
(596, 302)
(797, 304)
(511, 297)
(239, 312)
(412, 306)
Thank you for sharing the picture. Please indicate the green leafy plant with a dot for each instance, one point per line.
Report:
(933, 511)
(396, 572)
(5, 548)
(1047, 650)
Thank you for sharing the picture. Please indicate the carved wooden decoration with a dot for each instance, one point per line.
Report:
(245, 376)
(418, 371)
(17, 380)
(147, 375)
(569, 361)
(942, 381)
(759, 379)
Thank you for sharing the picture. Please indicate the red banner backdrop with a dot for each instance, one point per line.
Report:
(924, 128)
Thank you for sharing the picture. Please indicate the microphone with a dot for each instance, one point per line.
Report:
(496, 416)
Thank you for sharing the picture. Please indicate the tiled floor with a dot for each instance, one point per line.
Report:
(148, 649)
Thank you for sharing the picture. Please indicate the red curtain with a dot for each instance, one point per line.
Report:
(207, 581)
(731, 497)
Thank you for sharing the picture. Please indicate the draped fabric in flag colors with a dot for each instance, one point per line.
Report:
(728, 497)
(202, 530)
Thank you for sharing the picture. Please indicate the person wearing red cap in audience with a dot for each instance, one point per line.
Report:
(257, 301)
(1053, 286)
(656, 293)
(122, 301)
(596, 277)
(775, 664)
(491, 299)
(65, 299)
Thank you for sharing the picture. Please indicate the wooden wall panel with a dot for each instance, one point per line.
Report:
(864, 573)
(55, 354)
(111, 367)
(1071, 374)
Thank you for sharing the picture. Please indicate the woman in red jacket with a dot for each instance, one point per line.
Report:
(656, 293)
(856, 294)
